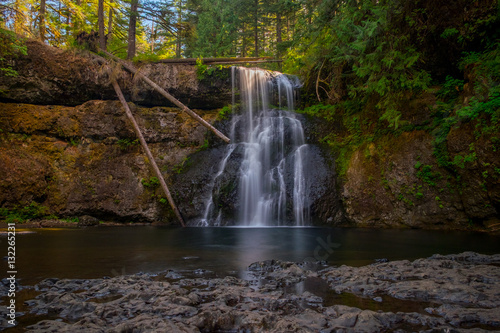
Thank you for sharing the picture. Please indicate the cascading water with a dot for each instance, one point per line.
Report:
(271, 183)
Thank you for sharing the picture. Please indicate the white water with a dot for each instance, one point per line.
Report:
(209, 205)
(273, 145)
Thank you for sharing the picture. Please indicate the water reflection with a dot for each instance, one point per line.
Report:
(97, 252)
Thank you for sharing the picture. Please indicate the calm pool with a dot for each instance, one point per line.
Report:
(109, 251)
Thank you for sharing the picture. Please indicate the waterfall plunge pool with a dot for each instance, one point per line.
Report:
(111, 251)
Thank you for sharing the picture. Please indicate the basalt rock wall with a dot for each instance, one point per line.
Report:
(67, 149)
(406, 179)
(51, 76)
(397, 182)
(85, 160)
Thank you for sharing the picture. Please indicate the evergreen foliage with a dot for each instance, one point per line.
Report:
(217, 28)
(10, 48)
(365, 62)
(164, 28)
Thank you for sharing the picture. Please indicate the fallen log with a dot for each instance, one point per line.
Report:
(145, 147)
(243, 62)
(208, 61)
(165, 94)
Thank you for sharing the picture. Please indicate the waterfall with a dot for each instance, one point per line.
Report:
(269, 140)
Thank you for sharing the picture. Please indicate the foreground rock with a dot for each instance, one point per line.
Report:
(455, 293)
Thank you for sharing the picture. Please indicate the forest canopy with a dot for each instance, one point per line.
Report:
(413, 41)
(365, 50)
(163, 28)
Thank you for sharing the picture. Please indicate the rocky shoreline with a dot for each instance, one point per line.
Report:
(452, 293)
(60, 224)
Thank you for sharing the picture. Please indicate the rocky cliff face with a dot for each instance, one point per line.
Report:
(85, 160)
(67, 148)
(51, 76)
(397, 181)
(399, 184)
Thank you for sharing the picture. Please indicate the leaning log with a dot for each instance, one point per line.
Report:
(171, 98)
(145, 147)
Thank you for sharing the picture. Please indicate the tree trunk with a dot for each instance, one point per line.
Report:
(256, 28)
(153, 36)
(310, 13)
(19, 20)
(100, 23)
(179, 31)
(244, 42)
(68, 20)
(217, 61)
(278, 28)
(278, 32)
(110, 20)
(132, 29)
(76, 20)
(171, 98)
(42, 21)
(178, 44)
(145, 147)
